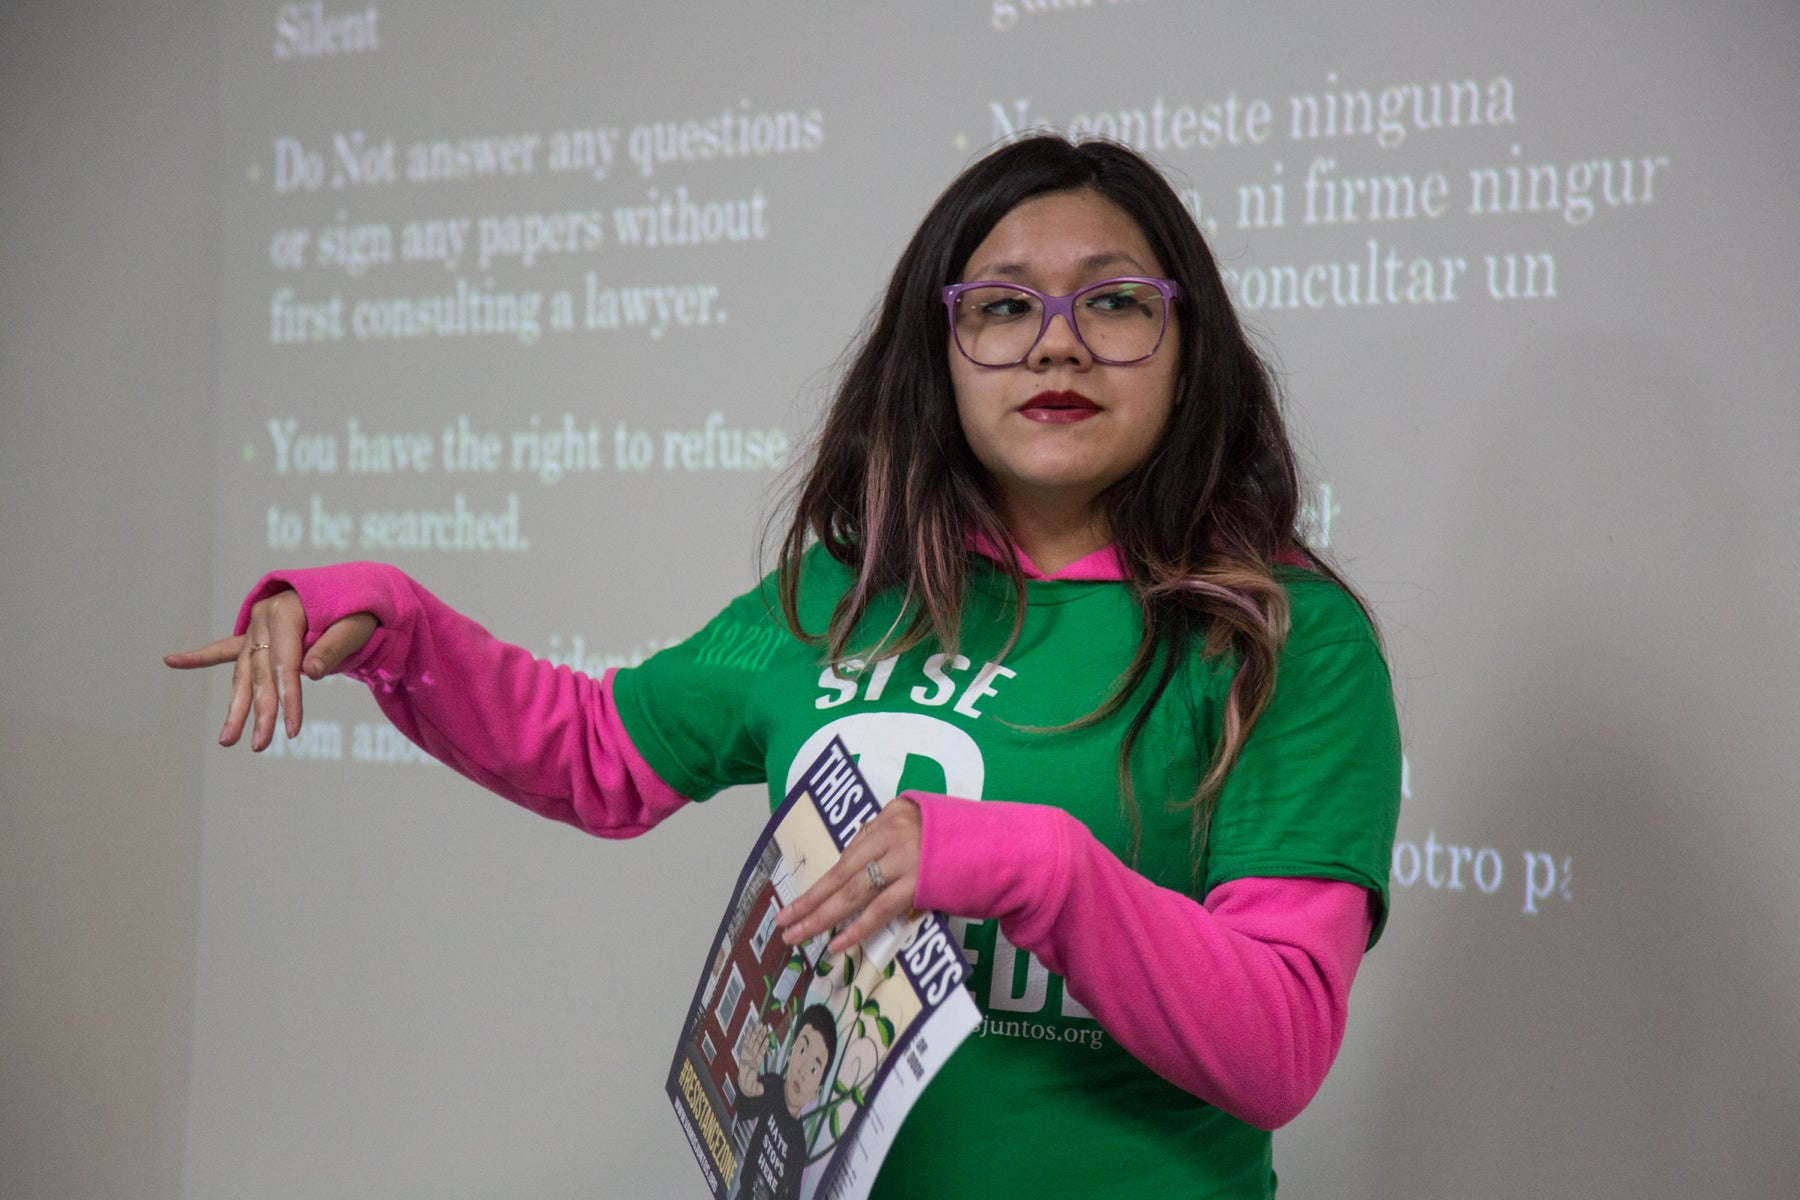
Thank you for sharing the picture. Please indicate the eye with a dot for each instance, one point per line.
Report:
(1116, 298)
(1004, 306)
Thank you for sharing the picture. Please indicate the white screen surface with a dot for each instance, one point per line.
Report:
(1550, 441)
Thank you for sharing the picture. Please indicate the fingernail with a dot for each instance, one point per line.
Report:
(314, 668)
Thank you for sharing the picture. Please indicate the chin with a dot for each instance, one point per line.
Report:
(1064, 478)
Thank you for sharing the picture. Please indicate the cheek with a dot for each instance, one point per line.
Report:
(967, 391)
(1152, 427)
(1159, 427)
(962, 389)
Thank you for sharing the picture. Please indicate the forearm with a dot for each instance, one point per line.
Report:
(1241, 1001)
(546, 737)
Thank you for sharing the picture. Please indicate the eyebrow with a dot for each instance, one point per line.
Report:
(1090, 263)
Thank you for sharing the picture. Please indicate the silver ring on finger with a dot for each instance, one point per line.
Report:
(877, 880)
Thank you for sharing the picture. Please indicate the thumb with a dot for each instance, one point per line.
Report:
(341, 639)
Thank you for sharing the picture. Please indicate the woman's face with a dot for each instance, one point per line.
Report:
(1042, 446)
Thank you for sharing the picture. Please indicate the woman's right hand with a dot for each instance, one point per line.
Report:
(268, 660)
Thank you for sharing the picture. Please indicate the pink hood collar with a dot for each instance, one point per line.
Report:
(1102, 566)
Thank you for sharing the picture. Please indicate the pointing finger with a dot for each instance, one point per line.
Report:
(212, 654)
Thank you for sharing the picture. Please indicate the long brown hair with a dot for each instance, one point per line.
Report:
(894, 492)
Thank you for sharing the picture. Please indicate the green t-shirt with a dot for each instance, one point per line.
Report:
(1040, 1102)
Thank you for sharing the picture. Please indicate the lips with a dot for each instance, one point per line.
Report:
(1058, 408)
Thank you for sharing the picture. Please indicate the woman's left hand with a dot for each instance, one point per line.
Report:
(877, 873)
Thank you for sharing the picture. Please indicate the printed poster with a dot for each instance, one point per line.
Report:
(796, 1066)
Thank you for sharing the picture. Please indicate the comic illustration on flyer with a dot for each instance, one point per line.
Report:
(796, 1066)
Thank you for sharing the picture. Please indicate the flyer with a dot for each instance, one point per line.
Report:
(796, 1065)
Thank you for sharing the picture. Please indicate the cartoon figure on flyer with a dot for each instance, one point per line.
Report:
(777, 1151)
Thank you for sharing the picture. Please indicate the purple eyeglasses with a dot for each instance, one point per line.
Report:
(1119, 321)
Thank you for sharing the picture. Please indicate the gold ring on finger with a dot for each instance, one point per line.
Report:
(259, 646)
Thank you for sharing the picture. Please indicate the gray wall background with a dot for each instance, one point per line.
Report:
(108, 287)
(1575, 516)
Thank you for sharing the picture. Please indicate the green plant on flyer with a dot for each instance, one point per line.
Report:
(788, 1009)
(865, 1035)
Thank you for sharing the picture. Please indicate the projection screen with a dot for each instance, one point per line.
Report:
(541, 303)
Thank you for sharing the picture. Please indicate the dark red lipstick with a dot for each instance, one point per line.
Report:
(1058, 408)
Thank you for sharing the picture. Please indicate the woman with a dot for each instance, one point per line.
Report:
(1042, 577)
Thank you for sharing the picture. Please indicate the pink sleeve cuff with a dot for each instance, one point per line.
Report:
(957, 869)
(1241, 1000)
(329, 594)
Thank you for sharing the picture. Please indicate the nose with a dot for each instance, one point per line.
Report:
(1058, 345)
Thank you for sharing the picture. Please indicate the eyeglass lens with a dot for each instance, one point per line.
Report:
(1119, 321)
